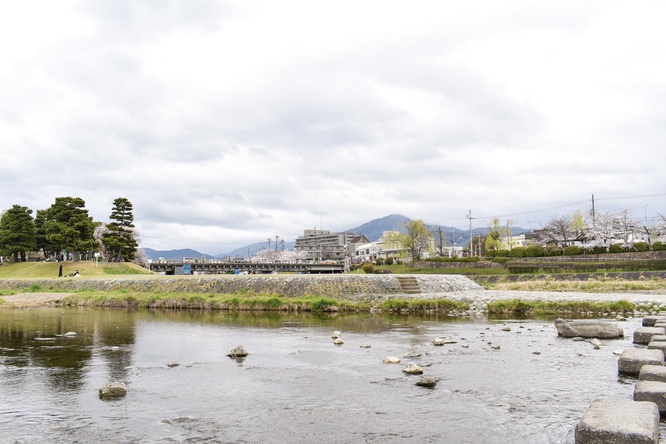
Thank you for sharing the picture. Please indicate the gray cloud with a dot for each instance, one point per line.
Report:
(227, 122)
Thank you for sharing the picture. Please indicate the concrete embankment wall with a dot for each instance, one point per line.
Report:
(348, 286)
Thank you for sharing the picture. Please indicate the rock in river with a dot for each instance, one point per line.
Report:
(113, 390)
(412, 353)
(238, 352)
(413, 369)
(587, 329)
(427, 381)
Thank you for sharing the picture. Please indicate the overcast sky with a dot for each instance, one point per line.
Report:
(226, 122)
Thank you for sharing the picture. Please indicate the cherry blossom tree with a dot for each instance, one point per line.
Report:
(278, 256)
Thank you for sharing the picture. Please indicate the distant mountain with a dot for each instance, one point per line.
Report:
(251, 249)
(175, 254)
(374, 229)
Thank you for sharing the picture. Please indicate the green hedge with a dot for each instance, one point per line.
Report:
(452, 259)
(523, 268)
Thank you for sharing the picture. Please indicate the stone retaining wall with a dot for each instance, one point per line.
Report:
(347, 286)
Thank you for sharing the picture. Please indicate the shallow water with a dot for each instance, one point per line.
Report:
(295, 386)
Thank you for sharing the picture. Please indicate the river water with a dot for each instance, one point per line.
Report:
(295, 386)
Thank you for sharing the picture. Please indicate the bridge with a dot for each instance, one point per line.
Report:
(186, 267)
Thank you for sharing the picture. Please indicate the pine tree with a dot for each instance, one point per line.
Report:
(119, 239)
(17, 232)
(67, 226)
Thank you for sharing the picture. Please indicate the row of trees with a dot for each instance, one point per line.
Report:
(66, 228)
(601, 230)
(597, 232)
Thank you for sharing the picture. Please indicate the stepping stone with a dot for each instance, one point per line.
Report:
(658, 338)
(611, 421)
(632, 359)
(660, 324)
(653, 391)
(656, 345)
(643, 335)
(653, 373)
(649, 321)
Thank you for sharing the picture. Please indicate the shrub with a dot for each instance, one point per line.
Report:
(35, 288)
(323, 303)
(658, 246)
(615, 248)
(388, 261)
(534, 251)
(502, 253)
(552, 251)
(379, 261)
(517, 252)
(500, 260)
(641, 246)
(598, 249)
(573, 250)
(490, 253)
(367, 267)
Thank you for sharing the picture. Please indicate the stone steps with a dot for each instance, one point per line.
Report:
(409, 285)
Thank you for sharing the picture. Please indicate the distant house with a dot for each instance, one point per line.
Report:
(382, 248)
(320, 245)
(519, 240)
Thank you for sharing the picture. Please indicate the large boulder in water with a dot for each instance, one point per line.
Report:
(584, 328)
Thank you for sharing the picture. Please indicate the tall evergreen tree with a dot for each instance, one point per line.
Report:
(119, 239)
(17, 232)
(41, 243)
(67, 226)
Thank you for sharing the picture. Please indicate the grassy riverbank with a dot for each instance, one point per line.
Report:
(545, 308)
(274, 303)
(128, 286)
(231, 302)
(51, 270)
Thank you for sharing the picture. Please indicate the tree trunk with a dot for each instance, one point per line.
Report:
(76, 256)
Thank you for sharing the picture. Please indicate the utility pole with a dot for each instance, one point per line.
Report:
(269, 243)
(593, 222)
(471, 246)
(276, 242)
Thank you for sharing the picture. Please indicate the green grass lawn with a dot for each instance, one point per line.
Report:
(49, 270)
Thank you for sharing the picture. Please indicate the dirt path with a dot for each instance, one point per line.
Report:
(23, 300)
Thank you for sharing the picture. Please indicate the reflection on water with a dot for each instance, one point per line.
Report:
(295, 386)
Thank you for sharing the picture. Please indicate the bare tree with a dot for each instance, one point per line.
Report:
(560, 231)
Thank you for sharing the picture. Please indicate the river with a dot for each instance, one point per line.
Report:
(295, 386)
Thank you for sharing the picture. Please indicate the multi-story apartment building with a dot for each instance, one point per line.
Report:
(323, 245)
